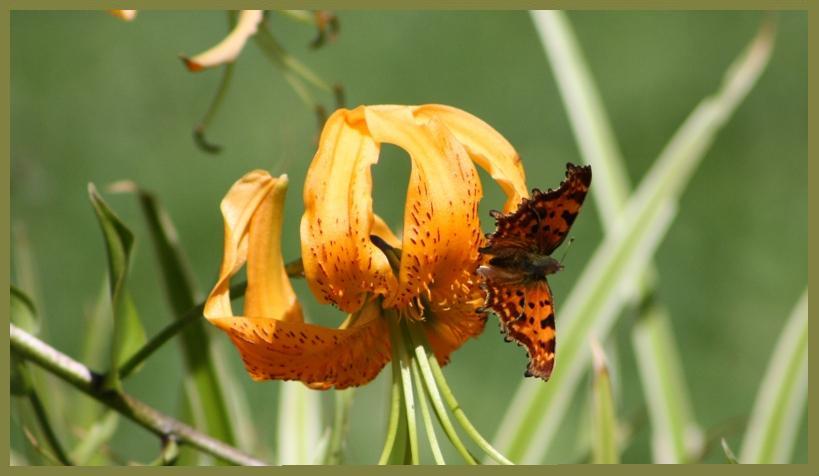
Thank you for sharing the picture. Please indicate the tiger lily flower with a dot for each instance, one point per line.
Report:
(434, 284)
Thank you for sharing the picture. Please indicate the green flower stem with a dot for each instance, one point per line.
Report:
(421, 346)
(395, 414)
(435, 397)
(433, 440)
(170, 331)
(400, 355)
(81, 377)
(215, 104)
(287, 62)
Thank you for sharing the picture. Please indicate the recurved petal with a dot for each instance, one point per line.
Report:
(318, 356)
(441, 228)
(341, 264)
(227, 50)
(486, 146)
(252, 212)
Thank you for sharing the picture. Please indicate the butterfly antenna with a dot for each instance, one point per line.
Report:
(566, 252)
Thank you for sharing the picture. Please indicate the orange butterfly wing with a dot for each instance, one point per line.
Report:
(542, 222)
(527, 315)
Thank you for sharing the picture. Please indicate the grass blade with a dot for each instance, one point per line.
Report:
(605, 448)
(729, 453)
(128, 332)
(299, 423)
(783, 392)
(530, 423)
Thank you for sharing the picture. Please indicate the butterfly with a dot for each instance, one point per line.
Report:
(519, 260)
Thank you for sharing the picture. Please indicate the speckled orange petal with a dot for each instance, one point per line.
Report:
(486, 146)
(126, 15)
(341, 264)
(252, 212)
(441, 227)
(320, 357)
(229, 48)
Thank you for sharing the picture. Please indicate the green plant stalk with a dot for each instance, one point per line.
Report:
(90, 383)
(425, 364)
(287, 62)
(437, 455)
(780, 402)
(396, 396)
(399, 354)
(341, 423)
(529, 426)
(420, 342)
(221, 91)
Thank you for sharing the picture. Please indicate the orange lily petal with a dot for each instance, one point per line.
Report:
(273, 340)
(486, 146)
(229, 48)
(252, 214)
(320, 357)
(126, 15)
(441, 227)
(340, 263)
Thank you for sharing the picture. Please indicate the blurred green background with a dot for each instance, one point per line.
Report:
(97, 100)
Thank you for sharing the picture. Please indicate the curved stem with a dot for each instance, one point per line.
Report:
(437, 403)
(405, 368)
(420, 346)
(48, 430)
(430, 429)
(90, 383)
(395, 414)
(169, 331)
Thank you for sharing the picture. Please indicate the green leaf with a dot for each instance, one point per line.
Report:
(119, 242)
(299, 423)
(23, 313)
(780, 402)
(607, 282)
(202, 387)
(676, 438)
(605, 448)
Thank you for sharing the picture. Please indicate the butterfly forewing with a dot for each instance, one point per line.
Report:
(542, 222)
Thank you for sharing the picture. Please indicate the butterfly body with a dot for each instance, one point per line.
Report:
(519, 260)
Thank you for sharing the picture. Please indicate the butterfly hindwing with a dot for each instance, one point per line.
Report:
(526, 314)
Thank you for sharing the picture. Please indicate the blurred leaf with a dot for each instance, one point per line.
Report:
(605, 448)
(23, 313)
(780, 403)
(341, 423)
(729, 454)
(299, 423)
(127, 329)
(97, 435)
(676, 438)
(204, 392)
(533, 418)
